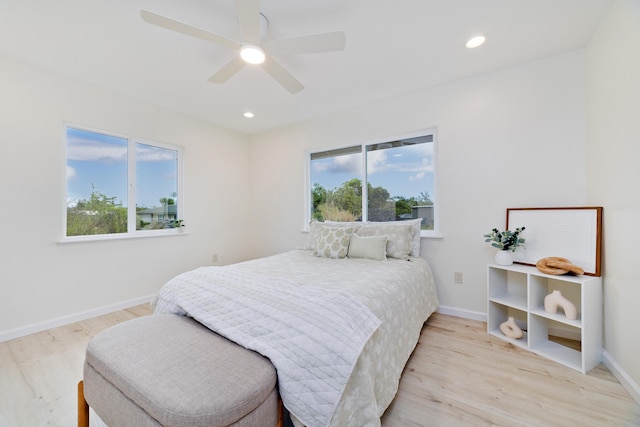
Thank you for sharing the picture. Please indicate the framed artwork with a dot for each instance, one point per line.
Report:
(574, 233)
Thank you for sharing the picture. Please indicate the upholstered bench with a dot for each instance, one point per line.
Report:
(168, 370)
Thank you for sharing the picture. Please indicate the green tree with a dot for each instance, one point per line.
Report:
(100, 214)
(346, 202)
(340, 204)
(348, 197)
(404, 205)
(424, 199)
(330, 212)
(319, 196)
(380, 207)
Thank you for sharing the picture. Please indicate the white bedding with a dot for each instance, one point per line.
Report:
(401, 294)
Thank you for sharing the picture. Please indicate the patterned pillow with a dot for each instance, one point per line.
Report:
(344, 223)
(400, 236)
(333, 242)
(416, 225)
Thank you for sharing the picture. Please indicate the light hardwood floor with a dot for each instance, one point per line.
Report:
(39, 373)
(458, 376)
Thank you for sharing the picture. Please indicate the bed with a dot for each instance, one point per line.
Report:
(338, 318)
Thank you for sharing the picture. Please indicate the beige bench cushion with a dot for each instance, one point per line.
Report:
(179, 372)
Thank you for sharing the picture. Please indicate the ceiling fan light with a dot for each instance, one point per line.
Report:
(252, 54)
(476, 41)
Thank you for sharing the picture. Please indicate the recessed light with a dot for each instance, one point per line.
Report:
(476, 41)
(248, 115)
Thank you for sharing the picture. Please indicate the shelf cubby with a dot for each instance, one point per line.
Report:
(499, 314)
(518, 291)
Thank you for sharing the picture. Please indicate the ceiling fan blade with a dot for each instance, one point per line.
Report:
(282, 76)
(173, 25)
(327, 42)
(226, 72)
(249, 19)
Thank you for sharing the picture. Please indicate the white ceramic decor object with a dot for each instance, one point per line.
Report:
(554, 300)
(511, 329)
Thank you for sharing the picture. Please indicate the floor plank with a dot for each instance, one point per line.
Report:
(457, 376)
(39, 373)
(461, 376)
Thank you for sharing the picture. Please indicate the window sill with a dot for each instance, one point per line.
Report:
(431, 235)
(122, 236)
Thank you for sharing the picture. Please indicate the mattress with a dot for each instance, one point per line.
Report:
(390, 298)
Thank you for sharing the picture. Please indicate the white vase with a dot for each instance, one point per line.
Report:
(504, 258)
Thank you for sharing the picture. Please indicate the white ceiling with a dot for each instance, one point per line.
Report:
(393, 47)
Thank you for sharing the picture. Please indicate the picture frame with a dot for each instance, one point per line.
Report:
(574, 233)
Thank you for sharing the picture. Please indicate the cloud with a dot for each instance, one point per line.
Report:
(411, 163)
(87, 146)
(149, 153)
(72, 202)
(417, 177)
(71, 173)
(341, 164)
(419, 166)
(84, 149)
(377, 161)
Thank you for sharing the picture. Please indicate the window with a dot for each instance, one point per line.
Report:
(108, 174)
(387, 181)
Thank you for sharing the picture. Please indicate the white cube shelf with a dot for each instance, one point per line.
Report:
(518, 291)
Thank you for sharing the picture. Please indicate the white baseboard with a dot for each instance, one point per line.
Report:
(65, 320)
(465, 314)
(624, 379)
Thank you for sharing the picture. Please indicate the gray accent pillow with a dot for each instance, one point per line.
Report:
(371, 247)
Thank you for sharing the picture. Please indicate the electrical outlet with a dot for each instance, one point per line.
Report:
(214, 258)
(457, 277)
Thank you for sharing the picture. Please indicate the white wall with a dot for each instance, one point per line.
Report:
(613, 94)
(42, 280)
(513, 138)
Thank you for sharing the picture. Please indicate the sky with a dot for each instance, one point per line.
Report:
(404, 171)
(99, 160)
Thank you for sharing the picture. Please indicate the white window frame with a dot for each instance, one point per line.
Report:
(131, 193)
(435, 233)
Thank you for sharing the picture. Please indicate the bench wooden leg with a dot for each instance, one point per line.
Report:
(83, 407)
(280, 420)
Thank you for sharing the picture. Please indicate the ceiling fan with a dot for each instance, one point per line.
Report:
(251, 48)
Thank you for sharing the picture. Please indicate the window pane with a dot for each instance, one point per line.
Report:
(96, 183)
(336, 185)
(400, 180)
(156, 187)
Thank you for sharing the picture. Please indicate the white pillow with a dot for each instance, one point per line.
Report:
(355, 224)
(314, 232)
(371, 247)
(397, 248)
(333, 242)
(416, 226)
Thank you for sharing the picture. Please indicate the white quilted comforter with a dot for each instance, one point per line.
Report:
(339, 332)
